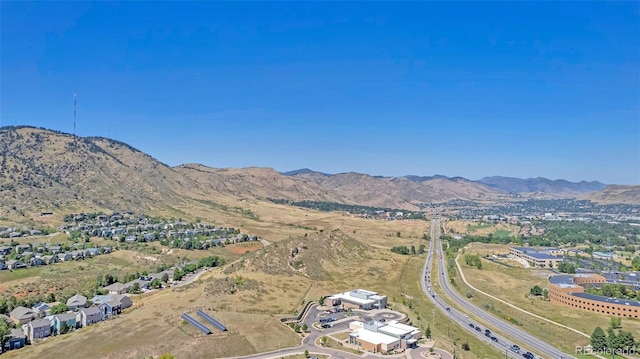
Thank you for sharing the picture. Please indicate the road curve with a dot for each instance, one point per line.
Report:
(526, 341)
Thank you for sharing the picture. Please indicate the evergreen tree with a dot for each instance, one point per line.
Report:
(598, 339)
(612, 340)
(427, 332)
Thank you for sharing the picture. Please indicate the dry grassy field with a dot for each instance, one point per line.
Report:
(478, 229)
(513, 285)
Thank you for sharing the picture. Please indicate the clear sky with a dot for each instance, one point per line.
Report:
(468, 89)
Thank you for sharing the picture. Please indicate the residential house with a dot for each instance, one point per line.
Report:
(142, 284)
(22, 315)
(2, 265)
(15, 340)
(117, 288)
(55, 249)
(77, 255)
(37, 329)
(76, 302)
(50, 259)
(106, 249)
(5, 250)
(20, 248)
(92, 252)
(67, 318)
(64, 257)
(15, 264)
(36, 261)
(88, 316)
(41, 309)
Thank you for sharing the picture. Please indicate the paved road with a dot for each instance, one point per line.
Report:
(526, 341)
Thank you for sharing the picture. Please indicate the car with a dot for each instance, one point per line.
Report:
(448, 309)
(487, 332)
(326, 325)
(477, 328)
(514, 348)
(466, 315)
(494, 339)
(528, 355)
(472, 325)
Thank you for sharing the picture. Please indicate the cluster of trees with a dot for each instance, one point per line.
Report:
(612, 341)
(612, 290)
(208, 262)
(598, 233)
(566, 267)
(351, 208)
(406, 250)
(473, 260)
(539, 292)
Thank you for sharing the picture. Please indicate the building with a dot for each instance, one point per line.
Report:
(379, 337)
(117, 288)
(15, 340)
(568, 290)
(37, 329)
(88, 316)
(547, 257)
(22, 315)
(76, 302)
(359, 299)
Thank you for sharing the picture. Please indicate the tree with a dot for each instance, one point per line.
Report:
(167, 356)
(64, 328)
(321, 301)
(296, 328)
(51, 297)
(135, 288)
(155, 283)
(625, 340)
(59, 309)
(413, 249)
(5, 329)
(536, 290)
(165, 278)
(306, 353)
(427, 332)
(612, 340)
(324, 340)
(304, 327)
(615, 322)
(598, 339)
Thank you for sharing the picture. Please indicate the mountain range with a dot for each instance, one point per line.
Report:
(44, 170)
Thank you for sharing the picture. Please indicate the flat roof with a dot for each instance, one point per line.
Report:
(407, 328)
(349, 298)
(632, 303)
(373, 337)
(562, 280)
(393, 330)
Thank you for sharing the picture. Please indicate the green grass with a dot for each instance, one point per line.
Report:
(502, 233)
(479, 226)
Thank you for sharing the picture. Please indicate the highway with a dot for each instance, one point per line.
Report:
(527, 342)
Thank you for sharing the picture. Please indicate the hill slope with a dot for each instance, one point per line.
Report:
(617, 194)
(540, 184)
(42, 170)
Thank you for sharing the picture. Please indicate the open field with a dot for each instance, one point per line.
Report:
(250, 302)
(513, 285)
(480, 229)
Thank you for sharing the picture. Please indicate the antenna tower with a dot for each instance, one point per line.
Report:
(75, 95)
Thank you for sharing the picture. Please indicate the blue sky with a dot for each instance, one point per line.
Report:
(468, 89)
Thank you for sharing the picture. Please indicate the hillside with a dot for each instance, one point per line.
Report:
(543, 185)
(42, 170)
(313, 256)
(617, 194)
(255, 182)
(48, 171)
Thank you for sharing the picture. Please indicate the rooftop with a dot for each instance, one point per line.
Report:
(602, 299)
(373, 337)
(564, 281)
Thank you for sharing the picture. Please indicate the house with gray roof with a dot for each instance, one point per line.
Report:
(15, 340)
(22, 315)
(88, 316)
(37, 329)
(117, 288)
(76, 302)
(69, 319)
